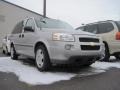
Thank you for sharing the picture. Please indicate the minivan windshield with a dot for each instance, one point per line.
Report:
(53, 24)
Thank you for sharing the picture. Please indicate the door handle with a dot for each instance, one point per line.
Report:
(22, 35)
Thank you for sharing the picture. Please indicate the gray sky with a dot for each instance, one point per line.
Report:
(75, 12)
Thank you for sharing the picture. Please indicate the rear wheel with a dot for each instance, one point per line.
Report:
(42, 58)
(14, 56)
(107, 54)
(117, 55)
(6, 51)
(3, 52)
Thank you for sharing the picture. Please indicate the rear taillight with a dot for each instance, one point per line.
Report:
(118, 36)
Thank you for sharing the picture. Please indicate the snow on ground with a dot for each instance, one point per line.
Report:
(29, 74)
(105, 65)
(99, 67)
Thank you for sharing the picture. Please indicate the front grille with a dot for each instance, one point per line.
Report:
(89, 40)
(88, 47)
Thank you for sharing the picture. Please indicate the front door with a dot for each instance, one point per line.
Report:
(16, 37)
(28, 38)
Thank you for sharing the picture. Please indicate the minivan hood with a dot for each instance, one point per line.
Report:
(73, 32)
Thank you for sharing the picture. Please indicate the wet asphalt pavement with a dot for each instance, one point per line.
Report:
(109, 80)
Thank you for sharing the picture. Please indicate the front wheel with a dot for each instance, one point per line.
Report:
(14, 56)
(42, 58)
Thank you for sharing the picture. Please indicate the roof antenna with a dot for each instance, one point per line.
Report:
(44, 8)
(82, 24)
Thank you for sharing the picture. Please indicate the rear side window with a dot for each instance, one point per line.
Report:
(118, 24)
(18, 28)
(91, 28)
(105, 27)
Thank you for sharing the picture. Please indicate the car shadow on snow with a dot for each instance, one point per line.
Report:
(55, 68)
(63, 68)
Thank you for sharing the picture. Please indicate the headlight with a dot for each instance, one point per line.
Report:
(63, 37)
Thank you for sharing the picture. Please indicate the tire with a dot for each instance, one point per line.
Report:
(107, 54)
(117, 55)
(14, 56)
(3, 52)
(6, 52)
(42, 58)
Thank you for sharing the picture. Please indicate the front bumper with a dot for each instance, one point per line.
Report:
(59, 52)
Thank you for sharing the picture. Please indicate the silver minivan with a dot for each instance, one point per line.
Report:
(51, 41)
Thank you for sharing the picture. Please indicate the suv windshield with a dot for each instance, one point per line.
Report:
(52, 23)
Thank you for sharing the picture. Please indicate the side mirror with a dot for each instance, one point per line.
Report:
(43, 22)
(28, 29)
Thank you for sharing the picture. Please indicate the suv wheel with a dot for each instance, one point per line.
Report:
(14, 56)
(117, 56)
(42, 58)
(107, 54)
(6, 51)
(3, 51)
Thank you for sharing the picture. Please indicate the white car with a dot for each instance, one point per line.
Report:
(110, 32)
(6, 45)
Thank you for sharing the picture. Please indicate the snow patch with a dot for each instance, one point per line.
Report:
(105, 65)
(30, 74)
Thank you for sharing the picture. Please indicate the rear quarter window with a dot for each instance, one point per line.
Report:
(18, 28)
(118, 24)
(105, 27)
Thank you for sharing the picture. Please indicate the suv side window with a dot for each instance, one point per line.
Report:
(91, 28)
(105, 27)
(18, 28)
(118, 24)
(30, 23)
